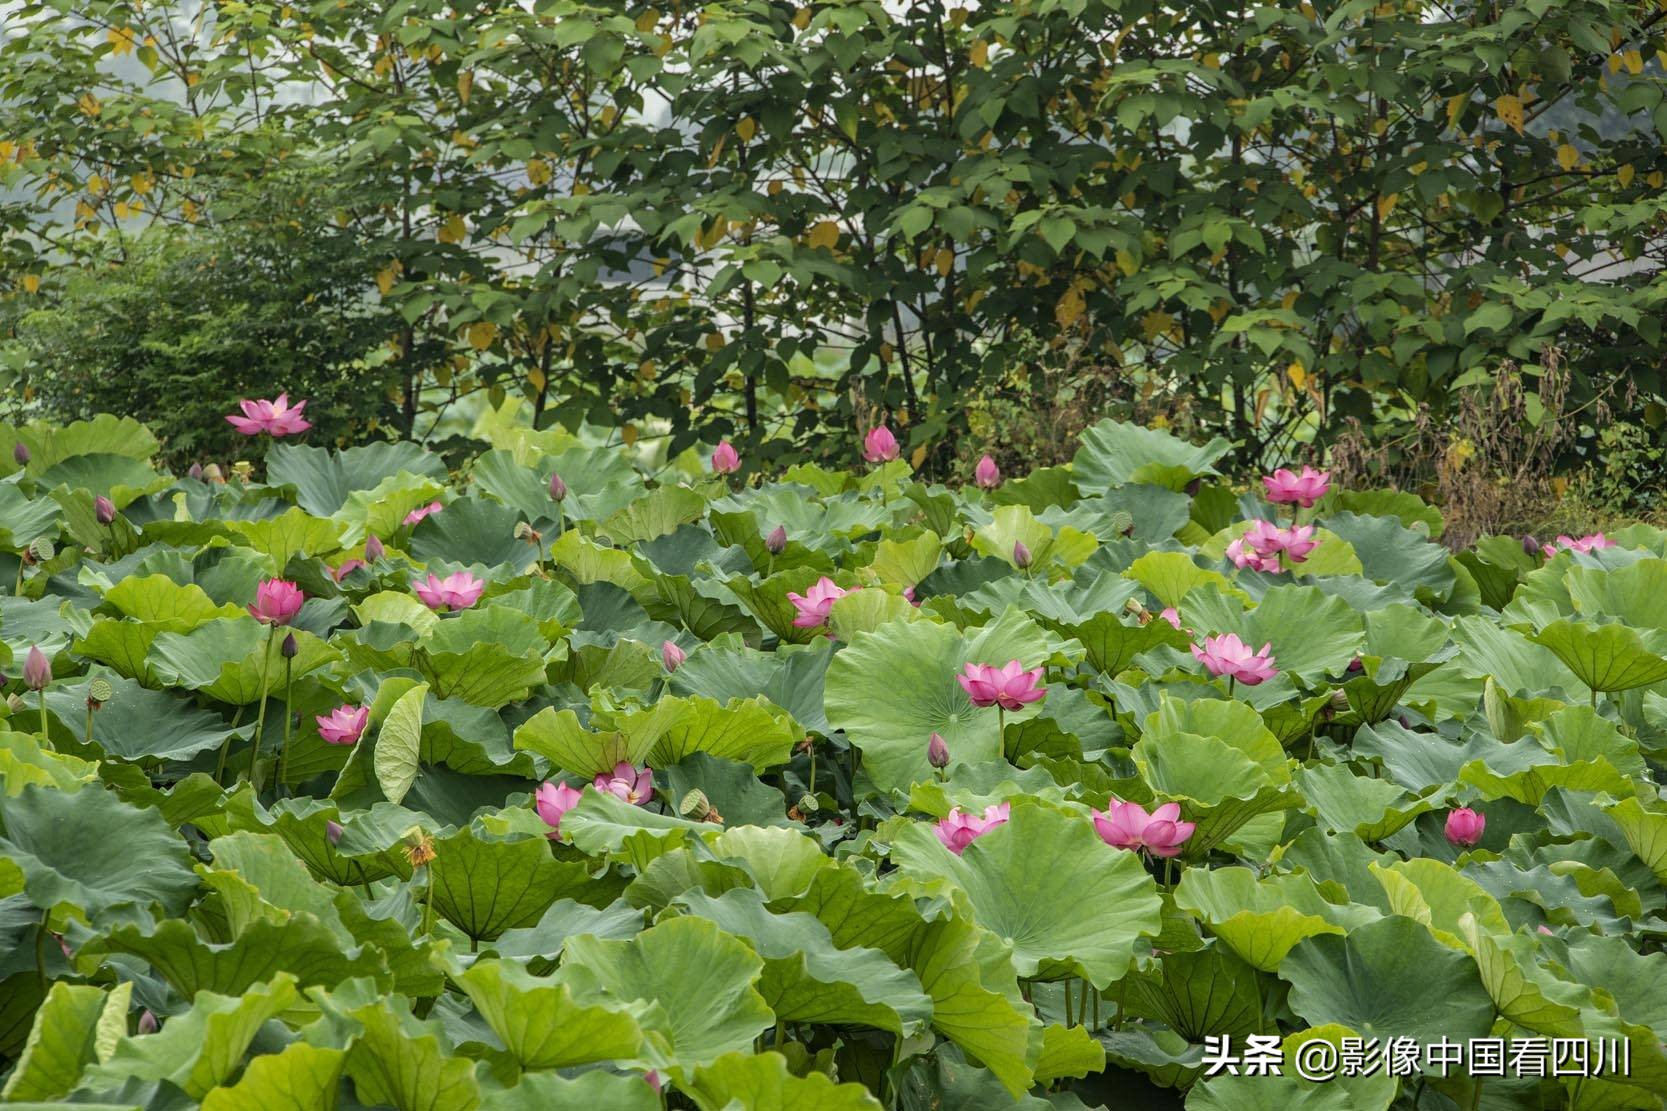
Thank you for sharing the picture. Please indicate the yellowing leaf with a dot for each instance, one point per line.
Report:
(746, 128)
(979, 54)
(1510, 111)
(647, 20)
(801, 18)
(1634, 61)
(1126, 263)
(1568, 157)
(89, 104)
(387, 276)
(1297, 375)
(946, 262)
(1386, 205)
(31, 283)
(121, 40)
(480, 334)
(538, 171)
(1069, 308)
(629, 434)
(465, 85)
(143, 183)
(825, 233)
(1455, 109)
(1625, 174)
(453, 230)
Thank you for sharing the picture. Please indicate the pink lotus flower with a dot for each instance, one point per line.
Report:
(458, 591)
(1298, 542)
(879, 446)
(1171, 615)
(104, 510)
(937, 751)
(814, 604)
(344, 725)
(987, 474)
(1248, 550)
(1126, 825)
(277, 601)
(725, 459)
(37, 669)
(373, 547)
(347, 568)
(1589, 543)
(627, 783)
(422, 511)
(275, 418)
(1011, 687)
(552, 800)
(671, 655)
(909, 596)
(1228, 655)
(958, 830)
(1465, 826)
(1304, 489)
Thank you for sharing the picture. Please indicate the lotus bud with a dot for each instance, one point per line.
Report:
(20, 454)
(147, 1022)
(99, 691)
(1530, 546)
(671, 655)
(290, 648)
(104, 509)
(694, 805)
(37, 670)
(195, 471)
(776, 542)
(1021, 555)
(558, 488)
(937, 752)
(373, 547)
(333, 830)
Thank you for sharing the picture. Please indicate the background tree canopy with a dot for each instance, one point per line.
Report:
(767, 220)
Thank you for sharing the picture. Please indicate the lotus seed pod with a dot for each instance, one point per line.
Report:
(694, 805)
(100, 691)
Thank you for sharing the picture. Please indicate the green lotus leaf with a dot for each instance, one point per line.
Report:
(1441, 897)
(227, 659)
(1604, 657)
(541, 1024)
(1515, 662)
(1171, 576)
(396, 1061)
(697, 981)
(1205, 992)
(1262, 920)
(399, 743)
(486, 887)
(1645, 832)
(1116, 453)
(1012, 525)
(76, 1026)
(746, 729)
(1168, 1059)
(471, 531)
(891, 689)
(1637, 591)
(200, 1049)
(1376, 982)
(297, 1076)
(595, 1090)
(731, 787)
(24, 762)
(1371, 809)
(1312, 634)
(781, 861)
(381, 510)
(1083, 915)
(323, 480)
(1523, 990)
(763, 1082)
(287, 535)
(23, 520)
(654, 514)
(1113, 645)
(1530, 785)
(605, 824)
(1068, 1051)
(94, 853)
(980, 1017)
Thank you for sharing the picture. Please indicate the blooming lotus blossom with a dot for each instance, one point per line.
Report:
(879, 446)
(1245, 553)
(1011, 687)
(725, 459)
(627, 783)
(1304, 489)
(958, 829)
(422, 511)
(1298, 542)
(275, 418)
(1126, 825)
(104, 510)
(277, 601)
(1228, 655)
(457, 591)
(552, 800)
(347, 567)
(37, 669)
(814, 604)
(1465, 826)
(671, 655)
(987, 474)
(344, 725)
(1589, 543)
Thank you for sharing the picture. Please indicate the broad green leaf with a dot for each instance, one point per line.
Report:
(1604, 657)
(541, 1024)
(398, 743)
(763, 1082)
(299, 1077)
(76, 1026)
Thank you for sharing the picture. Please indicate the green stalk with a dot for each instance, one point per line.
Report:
(226, 748)
(1082, 1003)
(289, 689)
(46, 740)
(428, 903)
(260, 715)
(1001, 729)
(813, 769)
(40, 949)
(1068, 1021)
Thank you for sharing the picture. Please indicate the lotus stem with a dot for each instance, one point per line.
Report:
(289, 688)
(813, 769)
(1096, 1008)
(225, 749)
(1001, 729)
(1082, 1003)
(260, 715)
(40, 949)
(1068, 1021)
(428, 902)
(17, 589)
(1232, 685)
(46, 738)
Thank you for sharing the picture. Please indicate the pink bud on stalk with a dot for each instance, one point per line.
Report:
(937, 752)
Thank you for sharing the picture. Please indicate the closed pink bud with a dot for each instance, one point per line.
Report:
(671, 655)
(104, 509)
(333, 831)
(373, 547)
(558, 488)
(879, 446)
(725, 459)
(37, 669)
(148, 1023)
(195, 471)
(20, 455)
(987, 474)
(1021, 555)
(1465, 826)
(937, 752)
(776, 542)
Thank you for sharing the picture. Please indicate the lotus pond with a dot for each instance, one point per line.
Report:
(551, 780)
